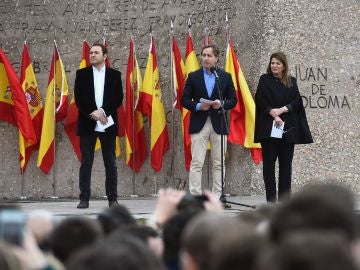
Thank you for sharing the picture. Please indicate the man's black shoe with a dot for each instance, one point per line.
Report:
(83, 204)
(113, 203)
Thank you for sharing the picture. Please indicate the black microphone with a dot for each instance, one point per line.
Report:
(213, 70)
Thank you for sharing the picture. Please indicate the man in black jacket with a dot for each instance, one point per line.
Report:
(98, 94)
(206, 121)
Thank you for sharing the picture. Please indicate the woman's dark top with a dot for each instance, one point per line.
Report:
(271, 93)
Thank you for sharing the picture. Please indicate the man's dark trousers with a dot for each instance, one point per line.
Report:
(87, 145)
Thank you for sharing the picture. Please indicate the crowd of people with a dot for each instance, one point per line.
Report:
(315, 229)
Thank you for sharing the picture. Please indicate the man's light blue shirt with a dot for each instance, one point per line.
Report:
(209, 79)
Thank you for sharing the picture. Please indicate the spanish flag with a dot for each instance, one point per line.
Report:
(191, 64)
(159, 133)
(13, 103)
(72, 116)
(35, 107)
(242, 117)
(179, 82)
(55, 107)
(135, 142)
(191, 61)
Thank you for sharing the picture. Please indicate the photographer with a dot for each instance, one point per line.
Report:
(174, 210)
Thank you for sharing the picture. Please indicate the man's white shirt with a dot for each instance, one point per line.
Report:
(99, 82)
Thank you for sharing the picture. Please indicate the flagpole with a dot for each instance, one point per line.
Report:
(206, 41)
(227, 27)
(22, 197)
(152, 81)
(133, 119)
(54, 118)
(172, 86)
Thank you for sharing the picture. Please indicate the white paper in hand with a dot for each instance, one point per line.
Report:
(207, 101)
(277, 132)
(101, 127)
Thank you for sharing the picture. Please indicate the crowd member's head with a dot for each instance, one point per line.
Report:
(172, 232)
(322, 207)
(198, 239)
(146, 234)
(310, 250)
(126, 253)
(235, 247)
(73, 234)
(115, 217)
(356, 245)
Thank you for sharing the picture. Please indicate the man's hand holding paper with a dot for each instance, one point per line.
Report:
(207, 103)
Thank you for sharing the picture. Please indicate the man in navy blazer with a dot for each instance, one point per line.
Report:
(206, 120)
(98, 94)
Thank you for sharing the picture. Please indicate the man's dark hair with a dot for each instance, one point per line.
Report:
(124, 253)
(103, 47)
(310, 250)
(73, 234)
(215, 49)
(321, 207)
(209, 239)
(172, 233)
(115, 217)
(239, 250)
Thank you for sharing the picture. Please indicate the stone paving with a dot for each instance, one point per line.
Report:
(140, 207)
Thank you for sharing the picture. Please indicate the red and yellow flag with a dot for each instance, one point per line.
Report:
(242, 117)
(159, 133)
(191, 64)
(72, 116)
(145, 95)
(191, 61)
(13, 104)
(179, 82)
(57, 85)
(135, 143)
(35, 107)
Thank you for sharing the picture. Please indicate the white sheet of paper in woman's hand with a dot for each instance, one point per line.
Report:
(277, 132)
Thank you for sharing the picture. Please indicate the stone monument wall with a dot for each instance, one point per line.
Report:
(320, 38)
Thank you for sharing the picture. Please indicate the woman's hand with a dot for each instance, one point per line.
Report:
(278, 111)
(278, 121)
